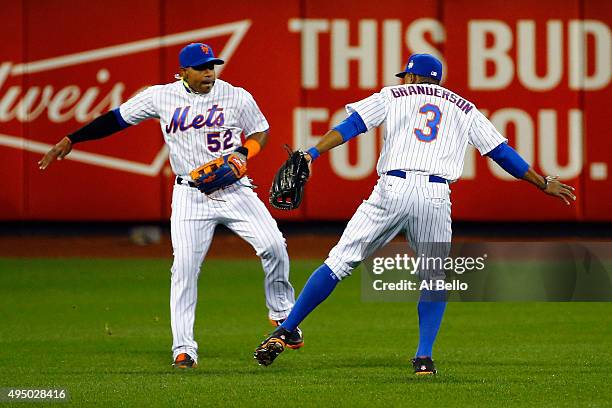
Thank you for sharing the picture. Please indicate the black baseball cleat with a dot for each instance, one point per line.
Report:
(423, 366)
(184, 360)
(271, 347)
(295, 340)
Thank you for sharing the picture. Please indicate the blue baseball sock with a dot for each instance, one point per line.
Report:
(319, 286)
(431, 309)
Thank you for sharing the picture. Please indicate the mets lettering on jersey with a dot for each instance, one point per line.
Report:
(179, 119)
(427, 129)
(197, 127)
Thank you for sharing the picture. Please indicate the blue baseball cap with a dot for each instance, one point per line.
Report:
(424, 65)
(196, 54)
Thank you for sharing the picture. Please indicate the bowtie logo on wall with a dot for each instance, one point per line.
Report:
(235, 30)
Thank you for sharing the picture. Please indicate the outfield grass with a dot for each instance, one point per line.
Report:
(100, 329)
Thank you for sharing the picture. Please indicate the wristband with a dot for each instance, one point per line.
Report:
(314, 153)
(252, 146)
(242, 150)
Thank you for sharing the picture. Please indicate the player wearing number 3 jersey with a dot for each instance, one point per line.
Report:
(427, 130)
(202, 119)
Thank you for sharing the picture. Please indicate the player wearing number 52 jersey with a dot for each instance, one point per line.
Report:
(202, 118)
(427, 130)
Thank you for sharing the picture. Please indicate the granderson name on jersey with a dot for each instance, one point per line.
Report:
(461, 103)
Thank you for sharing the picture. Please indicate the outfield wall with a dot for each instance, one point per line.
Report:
(540, 70)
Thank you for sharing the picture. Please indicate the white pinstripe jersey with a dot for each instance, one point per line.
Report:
(197, 127)
(427, 129)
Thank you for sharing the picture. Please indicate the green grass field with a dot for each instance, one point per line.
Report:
(100, 329)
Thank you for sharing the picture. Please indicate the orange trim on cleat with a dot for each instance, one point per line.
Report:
(295, 346)
(184, 361)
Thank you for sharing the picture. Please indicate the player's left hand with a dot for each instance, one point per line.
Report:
(309, 160)
(287, 188)
(59, 151)
(556, 188)
(220, 172)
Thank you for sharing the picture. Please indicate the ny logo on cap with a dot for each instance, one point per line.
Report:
(410, 64)
(205, 49)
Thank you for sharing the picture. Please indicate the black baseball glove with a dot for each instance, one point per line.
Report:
(288, 186)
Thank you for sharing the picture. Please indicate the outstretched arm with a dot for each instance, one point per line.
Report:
(330, 140)
(105, 125)
(346, 130)
(515, 165)
(550, 185)
(59, 151)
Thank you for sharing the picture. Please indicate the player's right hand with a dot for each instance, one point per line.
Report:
(556, 188)
(59, 151)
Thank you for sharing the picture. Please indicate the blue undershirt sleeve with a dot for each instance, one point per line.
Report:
(509, 160)
(120, 119)
(351, 127)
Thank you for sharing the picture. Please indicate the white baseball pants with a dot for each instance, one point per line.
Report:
(194, 218)
(420, 208)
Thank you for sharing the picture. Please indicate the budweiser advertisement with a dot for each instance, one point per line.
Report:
(540, 72)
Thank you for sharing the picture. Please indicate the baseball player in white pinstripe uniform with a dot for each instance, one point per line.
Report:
(427, 130)
(202, 119)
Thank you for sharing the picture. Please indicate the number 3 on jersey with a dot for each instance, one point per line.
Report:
(433, 122)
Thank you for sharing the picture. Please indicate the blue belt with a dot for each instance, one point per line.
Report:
(402, 174)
